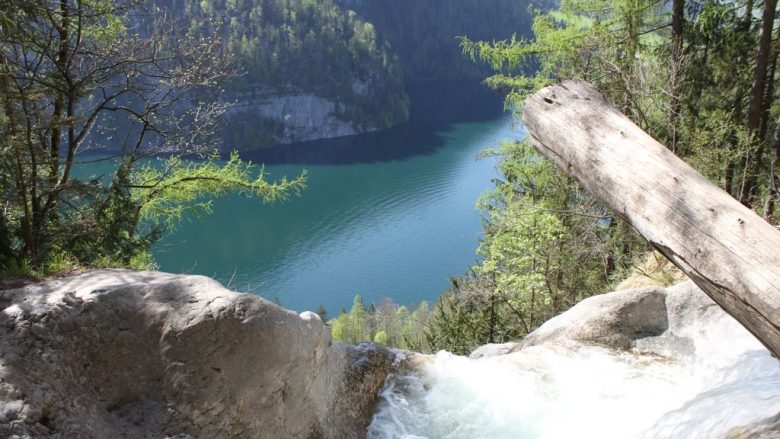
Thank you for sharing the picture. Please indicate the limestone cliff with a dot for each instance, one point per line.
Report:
(291, 117)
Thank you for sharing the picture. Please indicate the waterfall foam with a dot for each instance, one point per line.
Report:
(722, 381)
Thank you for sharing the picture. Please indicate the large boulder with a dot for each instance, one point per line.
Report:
(614, 319)
(678, 325)
(115, 353)
(675, 321)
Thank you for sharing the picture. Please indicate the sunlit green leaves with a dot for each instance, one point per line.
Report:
(167, 191)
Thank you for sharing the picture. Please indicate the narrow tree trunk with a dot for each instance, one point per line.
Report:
(632, 23)
(702, 65)
(493, 321)
(758, 101)
(758, 90)
(748, 18)
(772, 192)
(770, 94)
(61, 60)
(726, 248)
(62, 116)
(675, 70)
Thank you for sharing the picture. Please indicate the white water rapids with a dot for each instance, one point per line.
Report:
(573, 390)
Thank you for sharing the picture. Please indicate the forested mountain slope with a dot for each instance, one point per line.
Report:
(311, 69)
(326, 68)
(424, 33)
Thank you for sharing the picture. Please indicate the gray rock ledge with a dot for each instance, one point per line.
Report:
(115, 353)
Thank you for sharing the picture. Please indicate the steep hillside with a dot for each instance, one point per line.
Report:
(328, 68)
(424, 33)
(312, 70)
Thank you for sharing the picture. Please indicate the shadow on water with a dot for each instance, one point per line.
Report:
(435, 107)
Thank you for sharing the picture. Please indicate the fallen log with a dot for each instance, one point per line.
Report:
(728, 250)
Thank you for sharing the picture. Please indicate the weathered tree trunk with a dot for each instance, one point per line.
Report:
(727, 249)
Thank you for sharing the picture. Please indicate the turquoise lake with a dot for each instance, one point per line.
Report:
(388, 214)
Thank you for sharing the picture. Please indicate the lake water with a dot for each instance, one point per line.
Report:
(388, 214)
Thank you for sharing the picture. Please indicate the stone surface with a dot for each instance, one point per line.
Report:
(116, 353)
(695, 324)
(614, 319)
(671, 323)
(303, 116)
(766, 429)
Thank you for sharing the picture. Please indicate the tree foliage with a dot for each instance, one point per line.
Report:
(423, 33)
(75, 77)
(699, 76)
(310, 46)
(547, 245)
(387, 324)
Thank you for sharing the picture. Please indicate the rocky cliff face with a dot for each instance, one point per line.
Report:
(114, 353)
(265, 115)
(297, 117)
